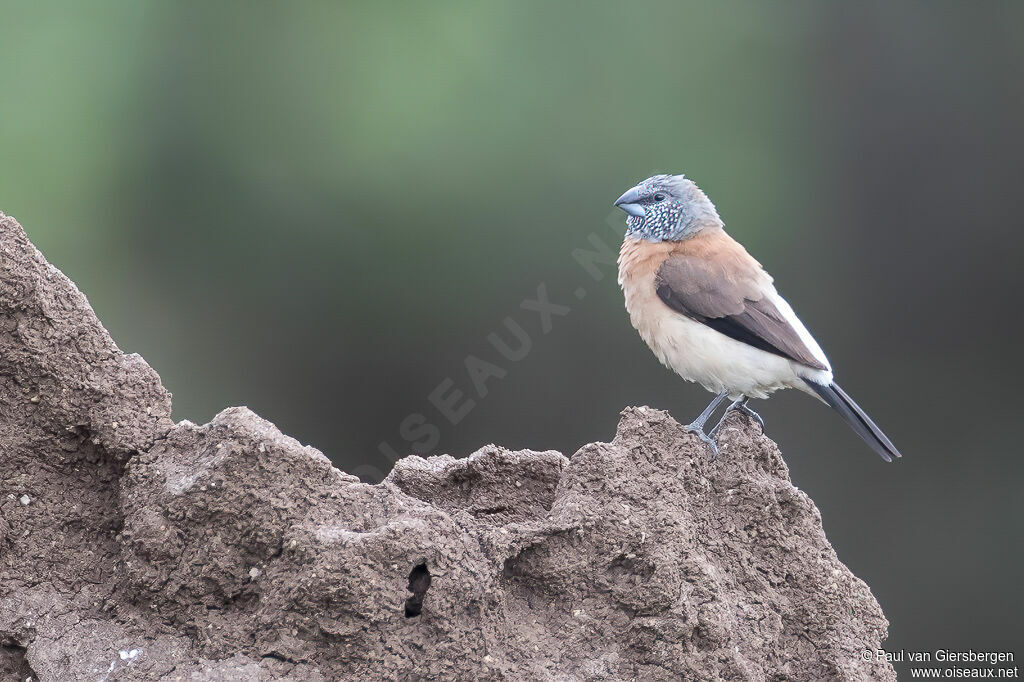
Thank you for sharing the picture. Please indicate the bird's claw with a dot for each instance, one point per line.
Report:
(739, 406)
(754, 416)
(698, 431)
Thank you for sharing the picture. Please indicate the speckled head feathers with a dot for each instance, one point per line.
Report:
(667, 208)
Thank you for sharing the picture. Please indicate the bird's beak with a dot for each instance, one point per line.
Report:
(630, 203)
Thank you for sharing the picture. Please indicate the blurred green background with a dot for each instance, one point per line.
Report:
(320, 211)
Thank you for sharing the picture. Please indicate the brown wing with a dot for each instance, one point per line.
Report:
(715, 281)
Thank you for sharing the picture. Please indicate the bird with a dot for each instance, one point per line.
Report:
(710, 312)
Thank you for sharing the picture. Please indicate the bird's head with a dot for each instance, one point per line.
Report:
(667, 208)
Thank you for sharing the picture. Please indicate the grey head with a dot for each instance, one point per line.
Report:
(667, 208)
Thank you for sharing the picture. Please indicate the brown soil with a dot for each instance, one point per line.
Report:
(134, 548)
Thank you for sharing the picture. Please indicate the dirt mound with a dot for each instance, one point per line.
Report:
(135, 548)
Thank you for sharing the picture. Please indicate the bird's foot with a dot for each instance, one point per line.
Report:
(739, 406)
(698, 430)
(754, 416)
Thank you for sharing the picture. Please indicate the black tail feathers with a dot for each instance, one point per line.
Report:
(856, 418)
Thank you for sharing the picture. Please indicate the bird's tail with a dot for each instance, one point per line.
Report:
(856, 418)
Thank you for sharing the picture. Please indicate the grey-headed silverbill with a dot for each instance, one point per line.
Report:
(711, 314)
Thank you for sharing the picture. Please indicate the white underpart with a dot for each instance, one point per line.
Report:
(717, 362)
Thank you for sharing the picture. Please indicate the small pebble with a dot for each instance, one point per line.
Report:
(25, 500)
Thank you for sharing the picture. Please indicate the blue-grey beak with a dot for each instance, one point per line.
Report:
(630, 203)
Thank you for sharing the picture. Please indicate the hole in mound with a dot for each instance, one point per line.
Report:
(14, 661)
(419, 583)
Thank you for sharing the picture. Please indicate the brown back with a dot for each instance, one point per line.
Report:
(712, 279)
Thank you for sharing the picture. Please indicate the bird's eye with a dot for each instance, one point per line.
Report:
(659, 197)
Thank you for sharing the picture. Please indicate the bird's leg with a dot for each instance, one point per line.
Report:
(742, 406)
(697, 425)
